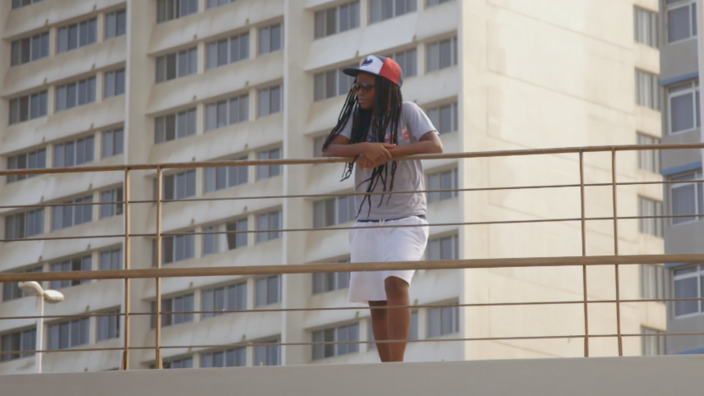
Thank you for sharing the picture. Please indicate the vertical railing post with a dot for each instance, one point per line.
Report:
(126, 254)
(157, 330)
(584, 253)
(616, 269)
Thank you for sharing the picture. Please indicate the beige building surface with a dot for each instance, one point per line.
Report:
(110, 82)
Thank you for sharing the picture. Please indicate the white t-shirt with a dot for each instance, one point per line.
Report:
(414, 123)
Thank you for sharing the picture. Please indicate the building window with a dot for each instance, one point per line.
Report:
(29, 49)
(225, 176)
(332, 211)
(268, 222)
(336, 19)
(111, 260)
(267, 171)
(23, 3)
(75, 264)
(686, 197)
(212, 242)
(446, 180)
(442, 54)
(75, 94)
(69, 334)
(230, 298)
(445, 248)
(412, 335)
(270, 39)
(408, 60)
(268, 355)
(114, 205)
(230, 358)
(11, 291)
(341, 334)
(652, 342)
(270, 101)
(167, 10)
(115, 24)
(28, 107)
(684, 107)
(652, 282)
(226, 112)
(114, 83)
(76, 152)
(18, 342)
(176, 65)
(652, 226)
(646, 27)
(647, 90)
(229, 50)
(108, 326)
(175, 248)
(431, 3)
(73, 214)
(24, 225)
(175, 310)
(32, 160)
(681, 20)
(443, 321)
(179, 186)
(444, 118)
(332, 83)
(687, 284)
(218, 3)
(381, 10)
(331, 281)
(268, 291)
(113, 142)
(175, 126)
(648, 159)
(77, 35)
(178, 363)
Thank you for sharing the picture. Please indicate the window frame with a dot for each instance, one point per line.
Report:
(91, 29)
(644, 226)
(189, 116)
(270, 235)
(41, 39)
(698, 274)
(698, 199)
(454, 54)
(693, 28)
(688, 88)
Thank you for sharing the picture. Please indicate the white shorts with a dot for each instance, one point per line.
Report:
(384, 244)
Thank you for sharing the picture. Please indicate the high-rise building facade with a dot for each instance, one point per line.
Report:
(113, 82)
(681, 108)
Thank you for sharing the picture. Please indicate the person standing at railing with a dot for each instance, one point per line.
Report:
(374, 127)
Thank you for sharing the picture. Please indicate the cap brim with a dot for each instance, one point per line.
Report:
(351, 71)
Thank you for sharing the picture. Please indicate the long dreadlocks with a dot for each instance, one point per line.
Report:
(385, 112)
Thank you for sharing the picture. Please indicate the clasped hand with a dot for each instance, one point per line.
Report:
(375, 154)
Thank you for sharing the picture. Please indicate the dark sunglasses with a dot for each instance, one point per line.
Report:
(364, 87)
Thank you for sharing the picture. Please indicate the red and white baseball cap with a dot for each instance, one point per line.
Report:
(380, 66)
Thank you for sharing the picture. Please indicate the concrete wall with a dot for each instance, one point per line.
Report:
(579, 377)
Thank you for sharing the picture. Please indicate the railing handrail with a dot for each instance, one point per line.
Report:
(310, 161)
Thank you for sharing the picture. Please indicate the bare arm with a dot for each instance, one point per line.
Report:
(375, 152)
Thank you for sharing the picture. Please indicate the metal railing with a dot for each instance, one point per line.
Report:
(128, 273)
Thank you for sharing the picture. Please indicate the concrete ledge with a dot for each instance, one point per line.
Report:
(643, 376)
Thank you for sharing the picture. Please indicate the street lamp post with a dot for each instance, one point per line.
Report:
(33, 288)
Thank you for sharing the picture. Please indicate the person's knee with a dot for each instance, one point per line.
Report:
(395, 287)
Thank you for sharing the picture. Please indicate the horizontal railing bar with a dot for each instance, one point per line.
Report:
(385, 307)
(325, 160)
(352, 267)
(470, 223)
(347, 194)
(269, 344)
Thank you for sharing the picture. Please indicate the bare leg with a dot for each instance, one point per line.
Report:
(380, 328)
(399, 319)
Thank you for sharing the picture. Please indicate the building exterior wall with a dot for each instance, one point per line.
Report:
(549, 74)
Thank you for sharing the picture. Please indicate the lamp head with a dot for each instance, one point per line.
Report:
(31, 288)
